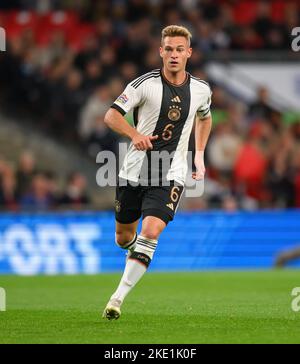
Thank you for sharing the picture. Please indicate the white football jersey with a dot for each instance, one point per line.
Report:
(167, 110)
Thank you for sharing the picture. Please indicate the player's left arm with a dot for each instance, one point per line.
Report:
(202, 131)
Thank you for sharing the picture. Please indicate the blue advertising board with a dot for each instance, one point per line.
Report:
(76, 243)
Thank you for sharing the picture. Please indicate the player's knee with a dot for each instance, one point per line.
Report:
(122, 238)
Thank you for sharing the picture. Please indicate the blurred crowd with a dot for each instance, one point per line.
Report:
(216, 24)
(64, 69)
(25, 187)
(253, 156)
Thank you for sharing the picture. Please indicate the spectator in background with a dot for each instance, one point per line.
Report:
(53, 91)
(203, 38)
(280, 170)
(72, 98)
(263, 22)
(105, 32)
(43, 192)
(39, 197)
(26, 84)
(134, 46)
(93, 75)
(89, 51)
(56, 49)
(246, 39)
(95, 135)
(128, 72)
(9, 199)
(53, 188)
(223, 148)
(220, 98)
(152, 61)
(116, 87)
(196, 62)
(250, 168)
(8, 192)
(260, 108)
(25, 172)
(230, 204)
(75, 196)
(108, 60)
(280, 181)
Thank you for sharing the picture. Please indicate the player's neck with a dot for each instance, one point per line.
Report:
(176, 78)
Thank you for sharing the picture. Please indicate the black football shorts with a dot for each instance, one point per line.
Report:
(132, 202)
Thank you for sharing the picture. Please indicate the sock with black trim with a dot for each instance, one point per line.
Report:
(136, 266)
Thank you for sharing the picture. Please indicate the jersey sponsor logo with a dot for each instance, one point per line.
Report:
(171, 206)
(122, 99)
(176, 99)
(174, 113)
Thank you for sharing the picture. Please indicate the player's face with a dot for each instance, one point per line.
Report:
(175, 52)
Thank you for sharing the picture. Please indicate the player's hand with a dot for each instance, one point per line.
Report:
(143, 142)
(200, 167)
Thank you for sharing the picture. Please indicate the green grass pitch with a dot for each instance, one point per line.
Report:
(202, 307)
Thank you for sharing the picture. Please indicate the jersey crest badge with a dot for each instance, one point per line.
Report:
(174, 113)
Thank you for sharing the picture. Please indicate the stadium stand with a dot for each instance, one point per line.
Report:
(67, 62)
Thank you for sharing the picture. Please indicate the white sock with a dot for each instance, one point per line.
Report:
(136, 266)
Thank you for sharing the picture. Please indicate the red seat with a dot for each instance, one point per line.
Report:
(18, 21)
(244, 12)
(278, 8)
(77, 38)
(22, 18)
(58, 21)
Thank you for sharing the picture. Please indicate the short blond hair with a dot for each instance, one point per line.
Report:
(176, 31)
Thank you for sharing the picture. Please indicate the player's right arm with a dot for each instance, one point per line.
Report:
(114, 118)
